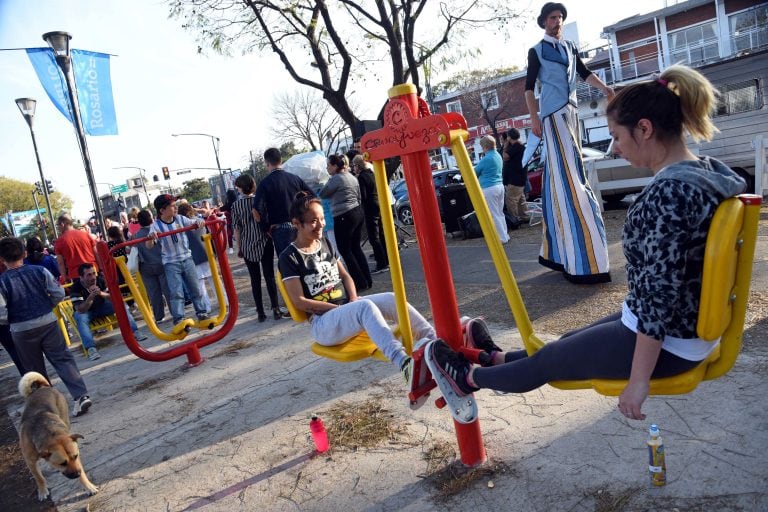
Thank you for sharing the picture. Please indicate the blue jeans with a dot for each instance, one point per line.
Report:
(153, 275)
(83, 319)
(282, 236)
(180, 274)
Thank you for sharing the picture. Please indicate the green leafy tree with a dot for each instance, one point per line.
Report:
(16, 196)
(336, 46)
(196, 190)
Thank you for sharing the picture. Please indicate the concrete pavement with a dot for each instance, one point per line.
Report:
(232, 434)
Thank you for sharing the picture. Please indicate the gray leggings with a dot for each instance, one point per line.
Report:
(603, 350)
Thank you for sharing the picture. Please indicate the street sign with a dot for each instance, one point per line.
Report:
(119, 189)
(188, 171)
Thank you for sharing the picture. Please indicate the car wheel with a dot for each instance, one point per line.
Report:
(405, 215)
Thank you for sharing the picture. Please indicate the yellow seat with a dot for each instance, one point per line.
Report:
(65, 313)
(354, 349)
(728, 258)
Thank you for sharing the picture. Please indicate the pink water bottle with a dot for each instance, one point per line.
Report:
(319, 436)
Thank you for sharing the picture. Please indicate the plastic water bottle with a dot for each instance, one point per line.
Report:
(656, 463)
(319, 436)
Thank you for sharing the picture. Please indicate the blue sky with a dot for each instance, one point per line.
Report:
(162, 86)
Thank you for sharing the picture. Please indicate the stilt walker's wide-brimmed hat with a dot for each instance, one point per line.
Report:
(548, 8)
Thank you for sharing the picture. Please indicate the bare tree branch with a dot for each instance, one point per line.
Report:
(332, 45)
(305, 118)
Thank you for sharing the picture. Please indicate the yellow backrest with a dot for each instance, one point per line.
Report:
(296, 314)
(728, 258)
(720, 261)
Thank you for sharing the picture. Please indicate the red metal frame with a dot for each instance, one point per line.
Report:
(189, 348)
(409, 131)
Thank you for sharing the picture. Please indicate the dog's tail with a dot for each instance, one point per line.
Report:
(30, 382)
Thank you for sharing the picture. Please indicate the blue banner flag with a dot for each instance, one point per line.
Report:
(93, 84)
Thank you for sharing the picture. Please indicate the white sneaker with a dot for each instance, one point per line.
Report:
(231, 251)
(407, 370)
(93, 354)
(82, 405)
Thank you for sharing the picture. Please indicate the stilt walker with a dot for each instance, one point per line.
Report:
(574, 234)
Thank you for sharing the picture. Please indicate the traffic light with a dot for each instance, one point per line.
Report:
(155, 177)
(166, 173)
(49, 186)
(38, 188)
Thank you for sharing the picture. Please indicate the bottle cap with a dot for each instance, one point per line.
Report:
(654, 429)
(314, 416)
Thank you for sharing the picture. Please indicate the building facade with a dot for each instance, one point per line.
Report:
(727, 40)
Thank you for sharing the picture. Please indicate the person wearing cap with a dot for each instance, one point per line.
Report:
(177, 257)
(574, 234)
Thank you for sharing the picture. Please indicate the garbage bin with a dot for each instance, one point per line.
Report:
(454, 202)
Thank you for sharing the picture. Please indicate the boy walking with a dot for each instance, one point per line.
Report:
(28, 294)
(177, 257)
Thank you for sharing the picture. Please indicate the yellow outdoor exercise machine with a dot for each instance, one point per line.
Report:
(409, 132)
(222, 282)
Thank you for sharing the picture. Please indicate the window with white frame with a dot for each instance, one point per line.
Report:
(694, 45)
(453, 106)
(749, 29)
(739, 97)
(489, 100)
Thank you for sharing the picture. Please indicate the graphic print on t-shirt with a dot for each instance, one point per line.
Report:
(323, 280)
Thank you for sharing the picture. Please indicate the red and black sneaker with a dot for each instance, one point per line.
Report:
(451, 365)
(479, 337)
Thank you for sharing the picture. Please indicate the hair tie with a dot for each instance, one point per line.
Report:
(671, 86)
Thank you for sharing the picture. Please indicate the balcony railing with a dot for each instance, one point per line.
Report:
(751, 39)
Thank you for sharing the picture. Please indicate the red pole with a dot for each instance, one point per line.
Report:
(191, 348)
(437, 270)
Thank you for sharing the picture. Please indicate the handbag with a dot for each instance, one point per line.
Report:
(133, 260)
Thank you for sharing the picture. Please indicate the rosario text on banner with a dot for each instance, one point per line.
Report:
(92, 81)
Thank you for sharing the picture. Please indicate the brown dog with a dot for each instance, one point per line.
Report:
(45, 433)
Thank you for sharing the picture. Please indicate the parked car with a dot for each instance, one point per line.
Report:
(439, 178)
(399, 189)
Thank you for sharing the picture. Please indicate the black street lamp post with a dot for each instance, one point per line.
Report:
(59, 42)
(214, 140)
(40, 218)
(27, 108)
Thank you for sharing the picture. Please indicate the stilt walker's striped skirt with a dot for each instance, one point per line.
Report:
(573, 230)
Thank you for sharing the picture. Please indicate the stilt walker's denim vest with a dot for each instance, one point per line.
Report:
(557, 76)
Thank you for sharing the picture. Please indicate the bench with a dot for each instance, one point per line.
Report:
(65, 314)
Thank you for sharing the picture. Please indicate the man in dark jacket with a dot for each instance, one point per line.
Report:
(369, 199)
(513, 175)
(273, 199)
(91, 299)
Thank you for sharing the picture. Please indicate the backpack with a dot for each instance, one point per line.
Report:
(470, 226)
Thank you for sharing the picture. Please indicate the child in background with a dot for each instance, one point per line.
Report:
(37, 255)
(177, 257)
(199, 256)
(28, 294)
(115, 237)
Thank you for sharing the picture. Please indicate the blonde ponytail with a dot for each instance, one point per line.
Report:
(698, 100)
